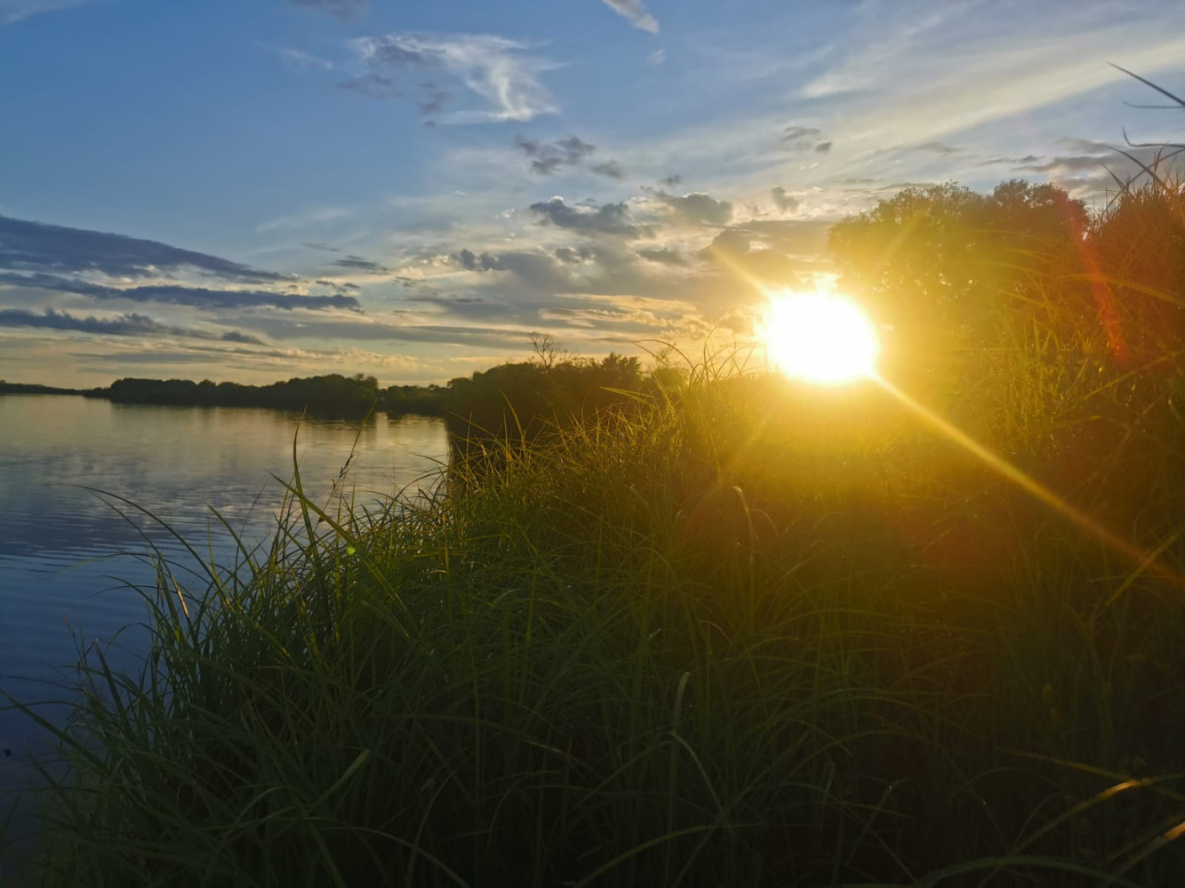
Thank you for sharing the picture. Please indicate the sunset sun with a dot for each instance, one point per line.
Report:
(820, 338)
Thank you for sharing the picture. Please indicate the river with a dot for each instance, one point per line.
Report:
(68, 558)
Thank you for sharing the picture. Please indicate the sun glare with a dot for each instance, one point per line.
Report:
(821, 338)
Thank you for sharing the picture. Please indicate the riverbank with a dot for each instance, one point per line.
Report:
(750, 633)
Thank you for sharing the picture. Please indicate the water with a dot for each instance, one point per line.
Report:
(66, 556)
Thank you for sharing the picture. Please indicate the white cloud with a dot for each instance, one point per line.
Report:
(304, 219)
(14, 10)
(500, 71)
(635, 11)
(302, 59)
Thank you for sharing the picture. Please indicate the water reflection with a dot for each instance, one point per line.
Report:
(66, 557)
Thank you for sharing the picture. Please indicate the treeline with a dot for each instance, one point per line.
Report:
(519, 401)
(334, 395)
(29, 388)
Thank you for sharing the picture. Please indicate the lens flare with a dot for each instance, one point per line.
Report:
(820, 338)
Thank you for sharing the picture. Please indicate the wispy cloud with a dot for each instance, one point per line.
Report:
(635, 12)
(120, 325)
(342, 10)
(12, 11)
(966, 63)
(301, 59)
(501, 72)
(304, 219)
(39, 247)
(171, 294)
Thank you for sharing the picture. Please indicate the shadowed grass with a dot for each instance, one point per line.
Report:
(743, 635)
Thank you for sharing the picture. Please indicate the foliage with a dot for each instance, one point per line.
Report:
(332, 394)
(519, 401)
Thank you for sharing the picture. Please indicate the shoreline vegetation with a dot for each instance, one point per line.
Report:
(537, 391)
(696, 626)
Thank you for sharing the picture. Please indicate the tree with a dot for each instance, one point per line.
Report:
(940, 263)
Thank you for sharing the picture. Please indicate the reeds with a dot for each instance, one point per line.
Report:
(740, 633)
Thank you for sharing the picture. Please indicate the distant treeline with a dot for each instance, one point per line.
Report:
(517, 400)
(28, 388)
(334, 394)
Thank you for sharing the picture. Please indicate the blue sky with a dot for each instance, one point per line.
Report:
(253, 190)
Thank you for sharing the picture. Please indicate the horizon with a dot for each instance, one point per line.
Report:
(309, 187)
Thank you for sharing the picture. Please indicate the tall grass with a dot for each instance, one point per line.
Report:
(749, 634)
(742, 632)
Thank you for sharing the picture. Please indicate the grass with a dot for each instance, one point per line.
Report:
(744, 633)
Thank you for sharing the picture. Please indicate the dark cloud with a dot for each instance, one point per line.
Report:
(548, 157)
(574, 256)
(472, 262)
(36, 246)
(664, 257)
(784, 201)
(433, 99)
(198, 297)
(605, 219)
(696, 208)
(358, 263)
(342, 10)
(429, 99)
(610, 169)
(123, 325)
(804, 138)
(323, 247)
(670, 181)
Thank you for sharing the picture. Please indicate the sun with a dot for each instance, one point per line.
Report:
(820, 338)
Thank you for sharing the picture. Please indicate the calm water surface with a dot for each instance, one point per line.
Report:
(62, 574)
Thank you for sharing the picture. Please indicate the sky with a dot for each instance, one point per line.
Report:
(251, 190)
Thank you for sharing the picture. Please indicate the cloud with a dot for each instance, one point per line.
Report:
(342, 10)
(197, 297)
(658, 57)
(804, 138)
(12, 11)
(301, 59)
(496, 69)
(966, 63)
(783, 201)
(550, 157)
(610, 169)
(357, 263)
(36, 246)
(121, 325)
(936, 148)
(664, 256)
(635, 12)
(574, 255)
(605, 219)
(304, 219)
(377, 331)
(472, 262)
(696, 208)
